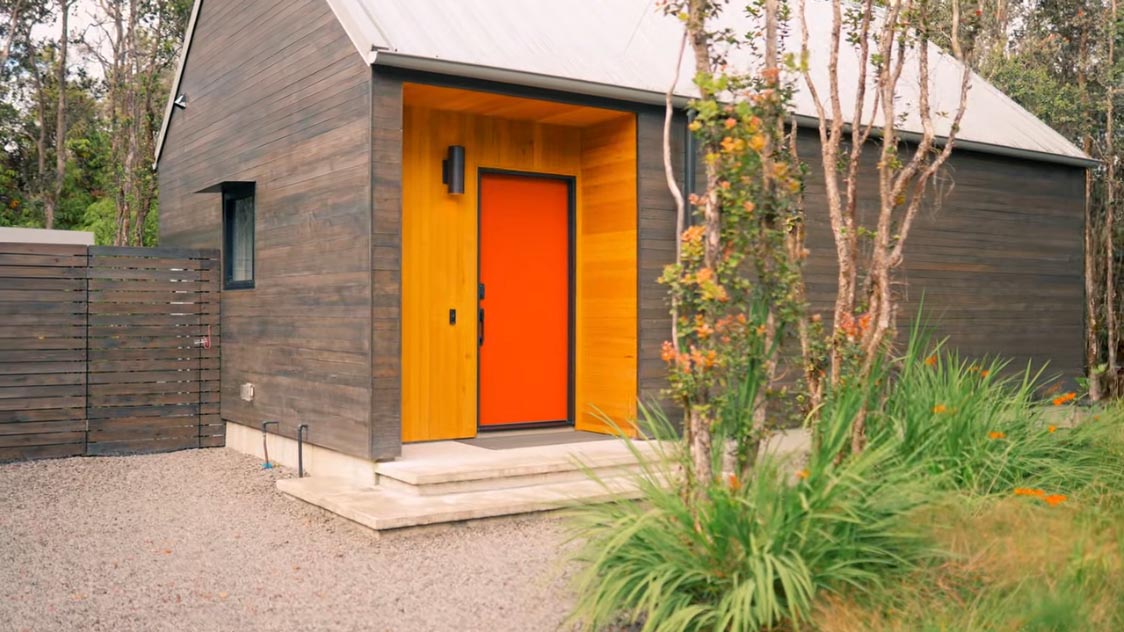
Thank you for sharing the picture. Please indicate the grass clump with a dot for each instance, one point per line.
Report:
(752, 553)
(980, 428)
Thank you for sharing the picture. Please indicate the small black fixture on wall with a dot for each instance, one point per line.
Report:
(452, 169)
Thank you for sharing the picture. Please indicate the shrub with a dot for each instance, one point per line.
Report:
(749, 553)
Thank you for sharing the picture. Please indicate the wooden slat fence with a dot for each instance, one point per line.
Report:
(42, 350)
(100, 350)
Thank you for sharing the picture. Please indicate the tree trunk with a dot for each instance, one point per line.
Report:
(1110, 208)
(700, 447)
(60, 121)
(1092, 291)
(13, 33)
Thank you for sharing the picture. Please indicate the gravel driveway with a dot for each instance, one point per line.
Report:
(201, 540)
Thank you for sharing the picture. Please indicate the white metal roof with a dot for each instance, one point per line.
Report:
(627, 49)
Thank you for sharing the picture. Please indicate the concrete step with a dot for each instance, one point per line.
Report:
(449, 481)
(385, 508)
(437, 471)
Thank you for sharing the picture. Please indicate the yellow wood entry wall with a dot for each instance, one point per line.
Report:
(439, 249)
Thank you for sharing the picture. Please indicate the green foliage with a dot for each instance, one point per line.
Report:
(751, 553)
(112, 119)
(979, 427)
(773, 546)
(1007, 564)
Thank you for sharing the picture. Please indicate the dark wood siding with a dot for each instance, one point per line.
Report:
(278, 95)
(657, 244)
(386, 268)
(996, 256)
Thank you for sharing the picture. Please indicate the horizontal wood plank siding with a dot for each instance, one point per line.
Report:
(278, 96)
(386, 267)
(656, 246)
(995, 256)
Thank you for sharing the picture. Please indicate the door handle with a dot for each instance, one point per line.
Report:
(480, 328)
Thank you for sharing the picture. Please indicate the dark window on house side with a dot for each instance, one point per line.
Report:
(238, 236)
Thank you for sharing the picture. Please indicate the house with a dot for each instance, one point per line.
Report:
(440, 218)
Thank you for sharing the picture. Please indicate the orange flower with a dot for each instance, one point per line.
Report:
(802, 474)
(1052, 429)
(1029, 491)
(931, 360)
(711, 358)
(854, 327)
(984, 372)
(864, 322)
(940, 408)
(731, 122)
(1054, 499)
(735, 484)
(1065, 398)
(732, 145)
(696, 356)
(702, 328)
(667, 353)
(757, 142)
(693, 234)
(996, 435)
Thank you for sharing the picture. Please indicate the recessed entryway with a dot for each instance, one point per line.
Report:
(560, 344)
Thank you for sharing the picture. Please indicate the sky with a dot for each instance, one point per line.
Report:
(82, 19)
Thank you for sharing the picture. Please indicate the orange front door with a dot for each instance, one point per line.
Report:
(525, 299)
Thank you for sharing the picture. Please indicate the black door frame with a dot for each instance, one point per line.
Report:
(571, 256)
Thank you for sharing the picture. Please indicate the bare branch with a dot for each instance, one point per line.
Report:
(672, 185)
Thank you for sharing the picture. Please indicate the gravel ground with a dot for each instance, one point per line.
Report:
(201, 540)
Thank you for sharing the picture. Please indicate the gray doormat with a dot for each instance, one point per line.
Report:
(500, 440)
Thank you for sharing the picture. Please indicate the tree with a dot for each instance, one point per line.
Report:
(887, 40)
(16, 19)
(736, 288)
(142, 39)
(67, 150)
(53, 190)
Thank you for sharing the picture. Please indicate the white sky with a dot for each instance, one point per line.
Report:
(82, 17)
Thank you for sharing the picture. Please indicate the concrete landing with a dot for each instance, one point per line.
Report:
(381, 508)
(450, 481)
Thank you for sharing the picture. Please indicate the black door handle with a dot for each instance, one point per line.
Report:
(480, 328)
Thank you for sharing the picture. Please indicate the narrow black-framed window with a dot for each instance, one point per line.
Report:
(238, 235)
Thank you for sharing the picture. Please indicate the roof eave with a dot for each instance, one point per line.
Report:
(174, 92)
(393, 59)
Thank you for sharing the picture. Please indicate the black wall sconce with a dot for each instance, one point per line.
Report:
(452, 169)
